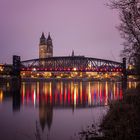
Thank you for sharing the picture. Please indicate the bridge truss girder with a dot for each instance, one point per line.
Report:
(75, 63)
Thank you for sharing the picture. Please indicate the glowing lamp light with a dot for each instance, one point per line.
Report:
(34, 69)
(74, 69)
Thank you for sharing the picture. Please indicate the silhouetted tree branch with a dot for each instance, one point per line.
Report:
(129, 12)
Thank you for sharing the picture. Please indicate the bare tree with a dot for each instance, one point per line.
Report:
(129, 12)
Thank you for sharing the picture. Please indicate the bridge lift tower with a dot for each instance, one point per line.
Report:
(16, 66)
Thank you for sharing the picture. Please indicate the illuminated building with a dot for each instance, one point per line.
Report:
(45, 47)
(5, 69)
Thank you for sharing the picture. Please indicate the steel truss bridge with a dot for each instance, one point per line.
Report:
(72, 64)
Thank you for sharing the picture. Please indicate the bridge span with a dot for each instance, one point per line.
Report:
(72, 63)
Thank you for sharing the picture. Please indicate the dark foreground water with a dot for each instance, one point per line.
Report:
(53, 110)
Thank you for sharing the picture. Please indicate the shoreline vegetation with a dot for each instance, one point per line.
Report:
(122, 121)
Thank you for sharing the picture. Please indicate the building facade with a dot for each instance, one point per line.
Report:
(45, 47)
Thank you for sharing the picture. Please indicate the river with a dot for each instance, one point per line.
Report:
(52, 110)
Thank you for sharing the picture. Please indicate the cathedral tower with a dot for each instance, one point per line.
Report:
(45, 47)
(49, 46)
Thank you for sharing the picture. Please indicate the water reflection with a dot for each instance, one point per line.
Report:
(65, 97)
(1, 96)
(45, 111)
(15, 91)
(64, 94)
(132, 85)
(70, 94)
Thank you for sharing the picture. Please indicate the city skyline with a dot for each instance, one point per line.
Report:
(87, 27)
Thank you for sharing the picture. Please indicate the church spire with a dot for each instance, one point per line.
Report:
(49, 37)
(42, 36)
(42, 39)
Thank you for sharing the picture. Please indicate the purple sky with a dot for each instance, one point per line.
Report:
(86, 26)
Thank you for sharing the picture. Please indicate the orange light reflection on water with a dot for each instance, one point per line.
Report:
(72, 93)
(1, 96)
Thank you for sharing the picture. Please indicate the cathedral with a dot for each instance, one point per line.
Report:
(45, 47)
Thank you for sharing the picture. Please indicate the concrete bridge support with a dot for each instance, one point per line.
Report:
(124, 77)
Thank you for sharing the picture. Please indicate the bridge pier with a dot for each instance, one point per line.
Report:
(124, 77)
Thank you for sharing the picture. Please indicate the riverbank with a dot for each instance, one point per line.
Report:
(122, 121)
